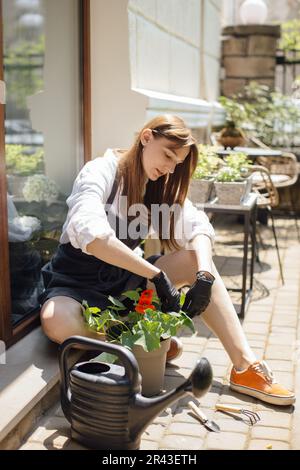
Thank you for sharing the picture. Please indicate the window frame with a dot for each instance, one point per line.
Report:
(8, 333)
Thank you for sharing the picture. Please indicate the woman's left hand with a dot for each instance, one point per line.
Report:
(198, 296)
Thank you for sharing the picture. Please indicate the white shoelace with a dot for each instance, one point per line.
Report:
(264, 369)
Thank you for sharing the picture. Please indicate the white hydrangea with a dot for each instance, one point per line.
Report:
(40, 188)
(27, 222)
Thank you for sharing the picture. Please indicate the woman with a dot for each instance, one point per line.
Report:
(95, 260)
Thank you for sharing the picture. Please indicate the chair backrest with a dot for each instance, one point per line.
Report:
(264, 187)
(284, 164)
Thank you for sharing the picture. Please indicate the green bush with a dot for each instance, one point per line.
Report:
(18, 162)
(269, 115)
(290, 35)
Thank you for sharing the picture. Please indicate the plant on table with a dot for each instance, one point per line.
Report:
(236, 172)
(236, 168)
(208, 162)
(143, 324)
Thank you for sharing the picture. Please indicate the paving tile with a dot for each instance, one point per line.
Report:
(281, 338)
(181, 442)
(154, 432)
(258, 328)
(54, 433)
(282, 352)
(277, 434)
(278, 365)
(148, 445)
(188, 429)
(231, 422)
(275, 418)
(269, 444)
(216, 357)
(33, 446)
(226, 441)
(284, 320)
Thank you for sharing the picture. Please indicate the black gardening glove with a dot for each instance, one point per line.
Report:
(198, 296)
(167, 293)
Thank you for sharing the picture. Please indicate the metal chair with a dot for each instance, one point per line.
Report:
(268, 198)
(283, 171)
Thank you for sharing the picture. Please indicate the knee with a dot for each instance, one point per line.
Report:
(61, 318)
(48, 317)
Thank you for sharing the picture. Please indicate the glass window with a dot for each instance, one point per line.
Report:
(42, 135)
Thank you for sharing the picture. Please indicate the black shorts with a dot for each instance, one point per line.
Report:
(74, 274)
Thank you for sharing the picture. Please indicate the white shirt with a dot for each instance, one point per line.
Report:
(87, 218)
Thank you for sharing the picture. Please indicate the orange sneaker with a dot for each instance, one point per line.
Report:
(175, 350)
(258, 381)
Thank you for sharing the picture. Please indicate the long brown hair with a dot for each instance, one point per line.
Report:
(168, 189)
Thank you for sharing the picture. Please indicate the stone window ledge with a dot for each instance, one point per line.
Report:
(30, 372)
(197, 113)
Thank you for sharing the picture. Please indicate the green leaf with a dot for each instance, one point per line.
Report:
(116, 302)
(127, 339)
(182, 298)
(188, 322)
(132, 295)
(149, 334)
(94, 310)
(105, 357)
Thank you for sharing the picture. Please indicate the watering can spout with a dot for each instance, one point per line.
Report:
(143, 410)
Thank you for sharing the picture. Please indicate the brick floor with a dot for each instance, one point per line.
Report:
(271, 325)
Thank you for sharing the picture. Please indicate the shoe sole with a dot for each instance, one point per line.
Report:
(272, 399)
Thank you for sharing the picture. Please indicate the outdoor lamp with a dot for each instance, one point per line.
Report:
(253, 12)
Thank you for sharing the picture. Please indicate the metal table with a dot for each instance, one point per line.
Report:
(249, 210)
(251, 152)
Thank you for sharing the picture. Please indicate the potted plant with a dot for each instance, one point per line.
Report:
(232, 182)
(202, 181)
(264, 113)
(143, 328)
(232, 135)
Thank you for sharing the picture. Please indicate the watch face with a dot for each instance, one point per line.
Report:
(205, 276)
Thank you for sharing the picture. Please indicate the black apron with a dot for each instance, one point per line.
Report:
(74, 274)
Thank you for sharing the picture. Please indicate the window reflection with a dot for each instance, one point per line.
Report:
(41, 144)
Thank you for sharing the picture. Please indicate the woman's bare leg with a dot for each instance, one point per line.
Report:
(61, 317)
(220, 316)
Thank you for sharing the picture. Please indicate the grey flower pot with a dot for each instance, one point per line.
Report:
(152, 366)
(234, 192)
(200, 190)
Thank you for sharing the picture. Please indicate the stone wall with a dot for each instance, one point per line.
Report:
(248, 53)
(175, 46)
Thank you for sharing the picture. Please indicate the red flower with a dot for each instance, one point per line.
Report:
(140, 308)
(145, 301)
(146, 296)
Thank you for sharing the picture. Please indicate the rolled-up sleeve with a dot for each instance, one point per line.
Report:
(194, 222)
(87, 218)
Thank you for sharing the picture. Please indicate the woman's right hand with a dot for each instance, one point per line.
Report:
(167, 293)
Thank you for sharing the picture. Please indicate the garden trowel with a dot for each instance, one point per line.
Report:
(211, 425)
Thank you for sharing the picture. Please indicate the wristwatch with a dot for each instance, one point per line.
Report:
(205, 276)
(156, 276)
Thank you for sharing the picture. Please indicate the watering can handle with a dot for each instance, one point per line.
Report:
(125, 356)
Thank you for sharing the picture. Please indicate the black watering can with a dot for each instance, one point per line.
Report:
(103, 402)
